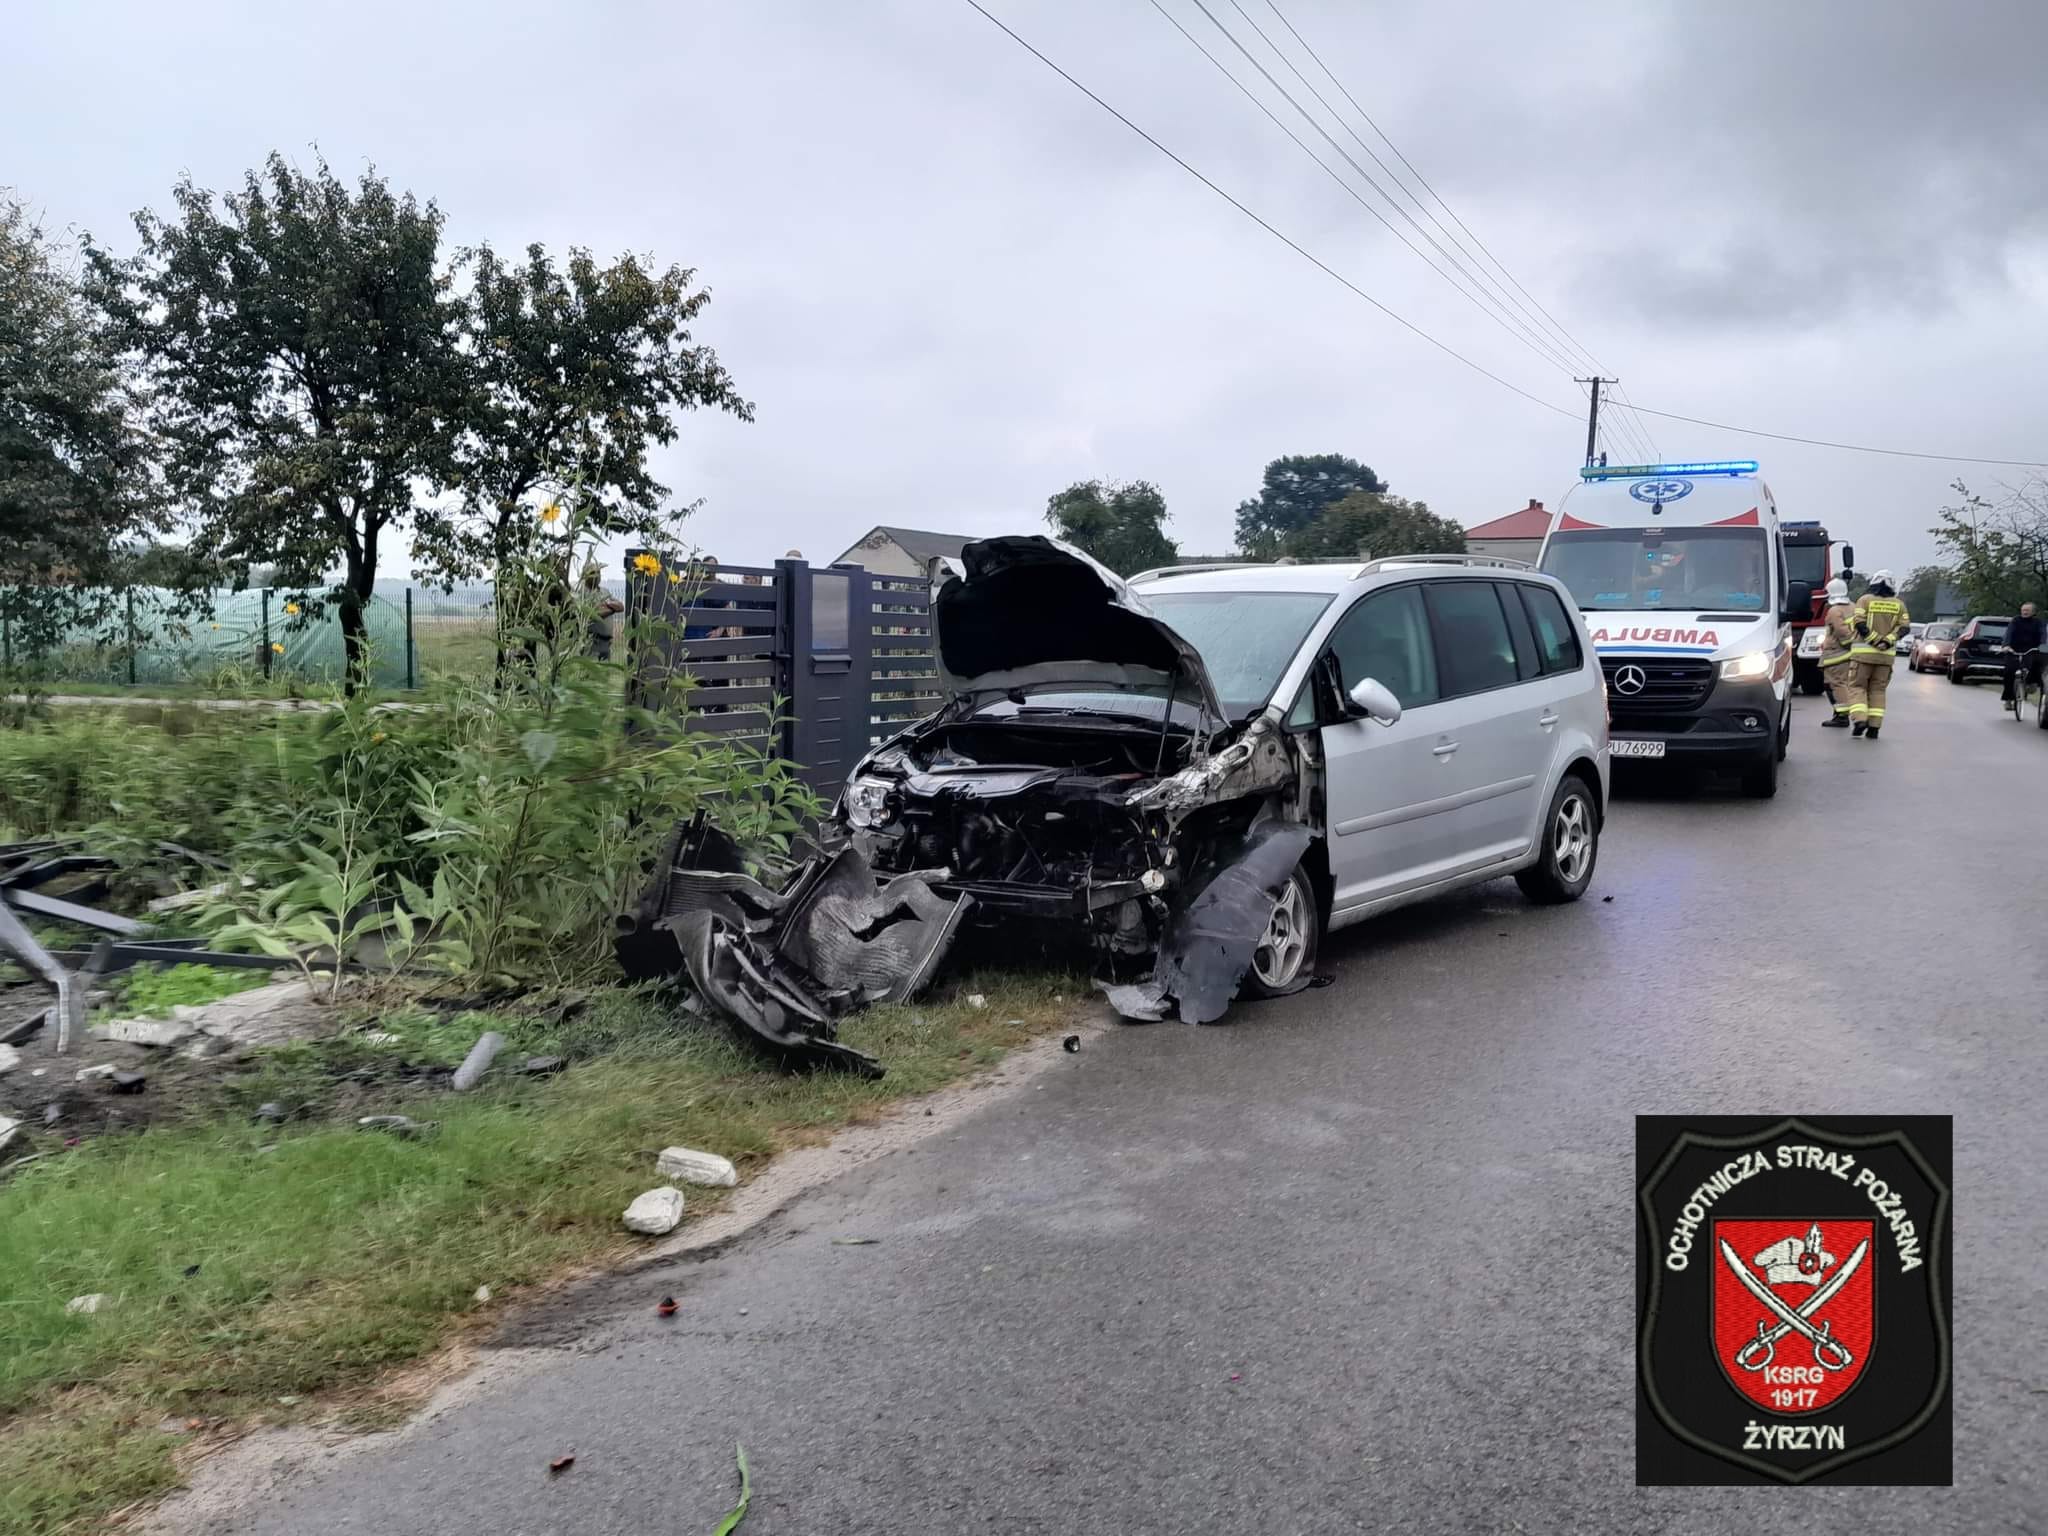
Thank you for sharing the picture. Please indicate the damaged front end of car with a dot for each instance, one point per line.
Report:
(1082, 772)
(784, 962)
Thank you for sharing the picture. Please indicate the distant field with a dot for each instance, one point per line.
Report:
(456, 646)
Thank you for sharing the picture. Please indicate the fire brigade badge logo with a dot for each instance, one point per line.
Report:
(1792, 1280)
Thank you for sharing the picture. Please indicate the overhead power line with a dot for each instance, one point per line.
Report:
(1477, 295)
(1571, 358)
(1822, 442)
(1585, 360)
(1420, 180)
(1408, 325)
(1303, 252)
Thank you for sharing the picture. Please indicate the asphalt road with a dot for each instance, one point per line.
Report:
(1363, 1259)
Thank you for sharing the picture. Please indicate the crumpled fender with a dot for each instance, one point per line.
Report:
(1209, 945)
(782, 1015)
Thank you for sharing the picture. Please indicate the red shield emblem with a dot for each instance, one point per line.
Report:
(1795, 1309)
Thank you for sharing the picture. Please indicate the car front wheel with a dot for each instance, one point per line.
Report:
(1286, 955)
(1571, 847)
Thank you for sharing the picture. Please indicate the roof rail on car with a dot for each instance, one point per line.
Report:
(1500, 561)
(1158, 571)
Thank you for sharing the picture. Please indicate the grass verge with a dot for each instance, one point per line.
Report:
(249, 1268)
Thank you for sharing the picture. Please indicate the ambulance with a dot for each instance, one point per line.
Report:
(1680, 571)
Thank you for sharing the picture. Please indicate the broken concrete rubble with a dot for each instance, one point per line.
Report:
(151, 1032)
(655, 1213)
(786, 962)
(478, 1061)
(694, 1167)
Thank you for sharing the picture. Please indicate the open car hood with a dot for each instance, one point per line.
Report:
(1033, 612)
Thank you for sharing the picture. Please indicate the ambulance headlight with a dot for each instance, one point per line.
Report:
(867, 803)
(1748, 667)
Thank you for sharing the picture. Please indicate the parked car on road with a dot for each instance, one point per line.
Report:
(1904, 647)
(1980, 649)
(1931, 648)
(1217, 765)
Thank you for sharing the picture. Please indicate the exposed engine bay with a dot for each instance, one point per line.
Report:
(1083, 772)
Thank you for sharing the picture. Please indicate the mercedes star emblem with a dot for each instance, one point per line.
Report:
(1631, 679)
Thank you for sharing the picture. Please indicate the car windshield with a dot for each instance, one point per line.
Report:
(1807, 563)
(1939, 632)
(1667, 570)
(1245, 639)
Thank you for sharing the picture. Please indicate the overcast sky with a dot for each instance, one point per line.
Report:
(952, 285)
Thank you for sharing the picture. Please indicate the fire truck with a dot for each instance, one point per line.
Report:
(1809, 557)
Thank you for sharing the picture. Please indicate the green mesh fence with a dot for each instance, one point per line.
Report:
(147, 638)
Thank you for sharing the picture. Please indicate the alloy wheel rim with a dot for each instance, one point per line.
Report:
(1278, 959)
(1572, 839)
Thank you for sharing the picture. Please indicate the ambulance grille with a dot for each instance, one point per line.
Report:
(1673, 685)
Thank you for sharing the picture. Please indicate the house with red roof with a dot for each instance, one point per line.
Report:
(1518, 536)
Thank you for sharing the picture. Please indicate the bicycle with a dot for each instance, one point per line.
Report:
(2028, 688)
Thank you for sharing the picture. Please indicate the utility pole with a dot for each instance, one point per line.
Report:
(1593, 415)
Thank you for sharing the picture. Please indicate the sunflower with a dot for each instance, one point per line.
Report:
(551, 514)
(277, 646)
(646, 564)
(292, 608)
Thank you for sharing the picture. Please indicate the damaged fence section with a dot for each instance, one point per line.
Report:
(784, 962)
(31, 875)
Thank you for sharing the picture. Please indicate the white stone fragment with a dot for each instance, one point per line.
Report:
(657, 1212)
(694, 1167)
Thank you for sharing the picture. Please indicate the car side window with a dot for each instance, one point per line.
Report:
(1557, 638)
(1474, 651)
(1527, 663)
(1303, 715)
(1386, 638)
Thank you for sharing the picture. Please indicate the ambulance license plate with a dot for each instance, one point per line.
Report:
(1623, 746)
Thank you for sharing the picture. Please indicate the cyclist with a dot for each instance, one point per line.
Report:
(2022, 637)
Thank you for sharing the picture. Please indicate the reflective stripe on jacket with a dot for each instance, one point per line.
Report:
(1838, 634)
(1884, 620)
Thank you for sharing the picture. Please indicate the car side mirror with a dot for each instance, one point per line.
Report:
(1798, 600)
(1374, 701)
(1848, 560)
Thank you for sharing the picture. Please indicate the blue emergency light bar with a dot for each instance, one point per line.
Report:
(1658, 471)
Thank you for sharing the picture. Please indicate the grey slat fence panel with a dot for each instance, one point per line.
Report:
(905, 683)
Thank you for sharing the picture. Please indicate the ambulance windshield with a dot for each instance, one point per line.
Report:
(1668, 570)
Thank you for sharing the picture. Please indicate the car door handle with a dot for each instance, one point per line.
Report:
(1445, 750)
(1546, 721)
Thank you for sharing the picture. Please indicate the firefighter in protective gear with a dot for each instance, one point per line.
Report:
(1880, 618)
(1837, 641)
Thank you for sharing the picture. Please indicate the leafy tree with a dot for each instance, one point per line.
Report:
(2000, 547)
(74, 481)
(1116, 522)
(1293, 495)
(306, 384)
(1370, 523)
(575, 372)
(1921, 590)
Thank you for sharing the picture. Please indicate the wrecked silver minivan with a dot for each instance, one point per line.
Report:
(1084, 770)
(1216, 766)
